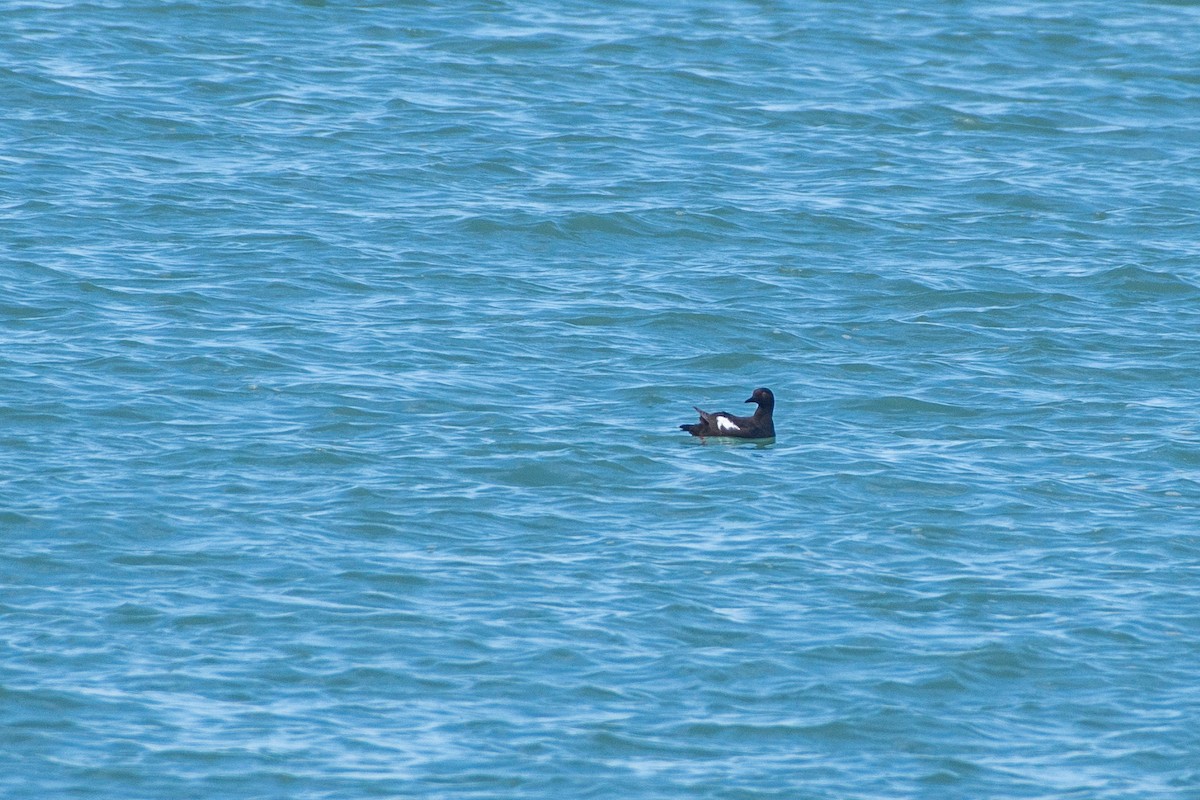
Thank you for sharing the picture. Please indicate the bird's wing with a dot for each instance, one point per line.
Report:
(725, 423)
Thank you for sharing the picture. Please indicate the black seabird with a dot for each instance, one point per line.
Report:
(758, 426)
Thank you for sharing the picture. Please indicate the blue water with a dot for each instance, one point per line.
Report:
(344, 348)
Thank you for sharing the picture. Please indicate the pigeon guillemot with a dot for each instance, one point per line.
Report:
(759, 426)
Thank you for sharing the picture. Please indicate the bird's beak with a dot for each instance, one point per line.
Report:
(751, 400)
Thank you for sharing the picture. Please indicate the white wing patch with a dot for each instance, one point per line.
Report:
(726, 424)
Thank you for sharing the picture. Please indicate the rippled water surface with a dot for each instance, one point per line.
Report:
(344, 348)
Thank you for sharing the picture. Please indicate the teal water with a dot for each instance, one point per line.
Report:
(343, 350)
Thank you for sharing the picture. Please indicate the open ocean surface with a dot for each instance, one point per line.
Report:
(343, 350)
